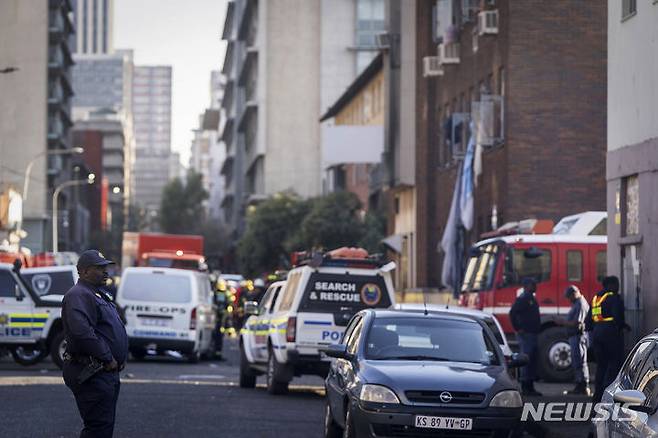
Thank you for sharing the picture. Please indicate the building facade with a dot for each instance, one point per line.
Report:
(94, 22)
(35, 109)
(632, 159)
(151, 105)
(538, 104)
(287, 61)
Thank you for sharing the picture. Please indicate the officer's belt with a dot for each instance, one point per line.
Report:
(84, 360)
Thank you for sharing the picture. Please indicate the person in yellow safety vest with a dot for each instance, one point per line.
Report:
(605, 322)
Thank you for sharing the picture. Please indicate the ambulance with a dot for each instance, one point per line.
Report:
(296, 319)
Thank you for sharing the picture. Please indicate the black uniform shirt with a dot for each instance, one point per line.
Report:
(524, 313)
(612, 306)
(92, 325)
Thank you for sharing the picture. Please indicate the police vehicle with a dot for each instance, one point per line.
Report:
(298, 318)
(30, 317)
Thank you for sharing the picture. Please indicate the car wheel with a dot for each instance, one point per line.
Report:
(138, 353)
(349, 431)
(331, 429)
(554, 356)
(58, 348)
(27, 356)
(247, 376)
(274, 385)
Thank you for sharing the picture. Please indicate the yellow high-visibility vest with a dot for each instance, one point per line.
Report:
(596, 308)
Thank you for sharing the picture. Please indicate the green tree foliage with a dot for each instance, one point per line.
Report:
(270, 228)
(334, 221)
(374, 232)
(181, 207)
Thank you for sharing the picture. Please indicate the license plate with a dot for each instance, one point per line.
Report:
(444, 423)
(154, 322)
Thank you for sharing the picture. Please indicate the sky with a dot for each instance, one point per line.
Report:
(185, 34)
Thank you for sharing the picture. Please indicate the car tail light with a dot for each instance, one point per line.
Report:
(193, 319)
(478, 302)
(291, 329)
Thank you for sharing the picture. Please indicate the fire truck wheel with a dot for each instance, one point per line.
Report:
(554, 359)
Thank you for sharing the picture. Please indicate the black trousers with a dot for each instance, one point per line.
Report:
(609, 353)
(96, 399)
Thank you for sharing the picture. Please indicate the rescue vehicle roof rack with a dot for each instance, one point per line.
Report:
(341, 257)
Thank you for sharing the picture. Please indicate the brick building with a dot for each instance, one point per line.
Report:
(536, 73)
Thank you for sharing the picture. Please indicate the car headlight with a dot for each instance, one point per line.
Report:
(378, 394)
(507, 399)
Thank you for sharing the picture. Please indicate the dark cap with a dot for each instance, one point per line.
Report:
(571, 291)
(528, 281)
(611, 283)
(92, 257)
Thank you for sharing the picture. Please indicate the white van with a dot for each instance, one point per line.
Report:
(168, 309)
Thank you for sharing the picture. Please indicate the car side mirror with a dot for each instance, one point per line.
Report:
(251, 308)
(338, 351)
(18, 293)
(632, 399)
(518, 360)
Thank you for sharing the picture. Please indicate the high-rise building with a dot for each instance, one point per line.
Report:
(94, 26)
(286, 63)
(152, 118)
(35, 110)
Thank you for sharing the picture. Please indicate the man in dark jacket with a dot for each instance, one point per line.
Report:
(605, 322)
(94, 332)
(525, 319)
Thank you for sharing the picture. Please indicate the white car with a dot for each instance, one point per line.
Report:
(168, 309)
(300, 317)
(490, 320)
(52, 281)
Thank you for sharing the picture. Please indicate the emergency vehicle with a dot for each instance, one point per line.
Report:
(296, 319)
(29, 322)
(574, 253)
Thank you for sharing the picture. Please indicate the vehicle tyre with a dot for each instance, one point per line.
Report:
(247, 376)
(194, 356)
(349, 431)
(554, 356)
(331, 429)
(58, 348)
(27, 356)
(274, 385)
(138, 353)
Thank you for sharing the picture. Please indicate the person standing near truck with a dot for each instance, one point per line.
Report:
(526, 321)
(575, 325)
(606, 322)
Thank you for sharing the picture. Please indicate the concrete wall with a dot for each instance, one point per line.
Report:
(23, 108)
(293, 99)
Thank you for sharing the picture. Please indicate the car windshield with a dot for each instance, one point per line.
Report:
(156, 287)
(429, 338)
(480, 269)
(50, 283)
(157, 262)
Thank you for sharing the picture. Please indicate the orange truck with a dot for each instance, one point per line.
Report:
(182, 251)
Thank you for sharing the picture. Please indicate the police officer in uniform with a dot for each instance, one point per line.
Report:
(525, 319)
(94, 332)
(575, 325)
(605, 321)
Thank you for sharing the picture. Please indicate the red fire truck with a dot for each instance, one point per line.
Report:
(183, 251)
(574, 253)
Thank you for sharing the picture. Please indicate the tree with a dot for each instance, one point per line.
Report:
(270, 226)
(181, 207)
(374, 232)
(334, 221)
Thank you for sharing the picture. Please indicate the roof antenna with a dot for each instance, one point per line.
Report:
(425, 303)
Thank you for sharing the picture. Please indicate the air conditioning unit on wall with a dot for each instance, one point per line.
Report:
(488, 22)
(432, 66)
(449, 53)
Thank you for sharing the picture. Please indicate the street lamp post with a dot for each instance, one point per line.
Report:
(26, 179)
(90, 180)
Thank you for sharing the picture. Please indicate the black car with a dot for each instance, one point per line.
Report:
(404, 374)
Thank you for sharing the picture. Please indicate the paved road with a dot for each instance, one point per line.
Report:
(168, 397)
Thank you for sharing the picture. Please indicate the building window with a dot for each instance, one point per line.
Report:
(94, 28)
(85, 16)
(628, 8)
(631, 205)
(105, 25)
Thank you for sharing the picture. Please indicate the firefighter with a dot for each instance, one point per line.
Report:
(575, 325)
(605, 322)
(525, 319)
